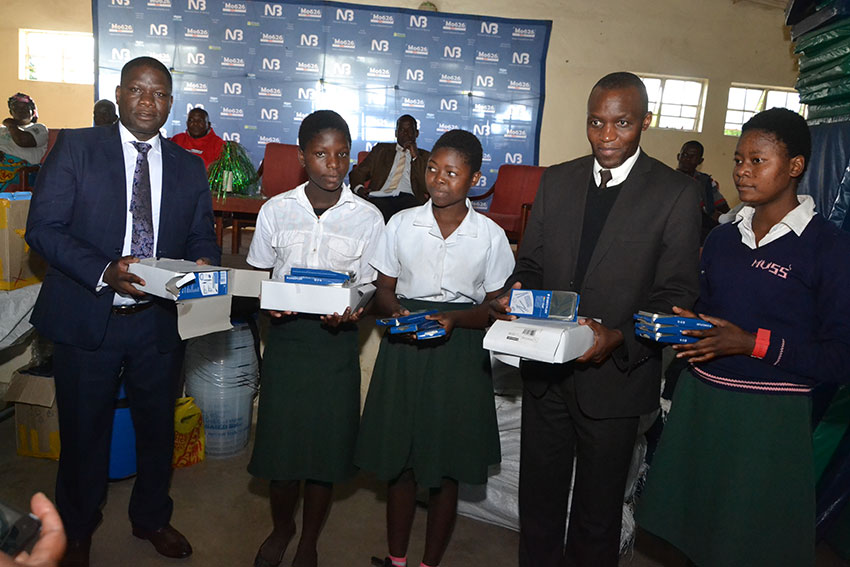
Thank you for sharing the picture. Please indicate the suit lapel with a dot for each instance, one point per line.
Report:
(570, 225)
(632, 197)
(167, 202)
(112, 158)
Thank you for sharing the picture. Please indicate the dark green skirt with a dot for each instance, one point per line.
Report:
(732, 482)
(430, 408)
(309, 404)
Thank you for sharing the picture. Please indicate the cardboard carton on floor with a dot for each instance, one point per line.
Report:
(19, 266)
(315, 299)
(36, 418)
(203, 293)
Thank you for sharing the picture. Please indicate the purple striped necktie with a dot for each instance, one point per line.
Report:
(140, 205)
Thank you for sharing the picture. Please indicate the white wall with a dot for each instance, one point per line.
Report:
(713, 39)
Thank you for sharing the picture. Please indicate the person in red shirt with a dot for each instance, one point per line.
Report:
(199, 137)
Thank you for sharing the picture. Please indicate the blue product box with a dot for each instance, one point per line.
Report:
(206, 284)
(542, 304)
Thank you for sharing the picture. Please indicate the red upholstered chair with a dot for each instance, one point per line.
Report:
(281, 169)
(281, 172)
(361, 156)
(513, 194)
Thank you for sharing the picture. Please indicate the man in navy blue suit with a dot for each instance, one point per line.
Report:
(106, 197)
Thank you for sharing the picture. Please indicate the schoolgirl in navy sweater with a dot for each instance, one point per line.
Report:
(733, 482)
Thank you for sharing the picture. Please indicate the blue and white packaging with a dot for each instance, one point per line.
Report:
(542, 304)
(546, 340)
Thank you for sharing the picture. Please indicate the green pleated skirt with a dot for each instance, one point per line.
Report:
(430, 408)
(309, 403)
(732, 482)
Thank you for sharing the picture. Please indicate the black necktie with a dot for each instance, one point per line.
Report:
(605, 176)
(141, 245)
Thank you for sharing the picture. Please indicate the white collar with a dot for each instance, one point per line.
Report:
(468, 226)
(346, 197)
(797, 219)
(619, 173)
(127, 137)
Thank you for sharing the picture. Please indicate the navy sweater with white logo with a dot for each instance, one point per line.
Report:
(798, 287)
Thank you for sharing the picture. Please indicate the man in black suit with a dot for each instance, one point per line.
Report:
(395, 172)
(622, 229)
(105, 197)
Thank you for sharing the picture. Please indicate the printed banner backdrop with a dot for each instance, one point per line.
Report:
(259, 68)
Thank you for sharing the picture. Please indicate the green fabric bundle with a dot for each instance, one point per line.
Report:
(233, 172)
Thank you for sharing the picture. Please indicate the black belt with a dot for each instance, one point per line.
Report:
(130, 309)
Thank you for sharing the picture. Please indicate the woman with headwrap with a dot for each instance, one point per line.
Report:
(23, 141)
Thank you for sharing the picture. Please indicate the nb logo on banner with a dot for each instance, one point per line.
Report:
(159, 29)
(271, 64)
(484, 81)
(491, 28)
(380, 45)
(196, 59)
(306, 94)
(482, 181)
(233, 35)
(120, 54)
(233, 88)
(521, 58)
(198, 5)
(120, 2)
(513, 158)
(231, 136)
(310, 40)
(344, 15)
(273, 10)
(448, 104)
(268, 114)
(415, 75)
(419, 21)
(191, 106)
(481, 129)
(453, 52)
(342, 69)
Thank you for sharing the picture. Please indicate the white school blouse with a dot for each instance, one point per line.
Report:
(473, 261)
(290, 234)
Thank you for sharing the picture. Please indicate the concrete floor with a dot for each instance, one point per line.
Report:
(225, 514)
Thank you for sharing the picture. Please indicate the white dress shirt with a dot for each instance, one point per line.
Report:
(796, 220)
(155, 168)
(473, 261)
(619, 173)
(402, 159)
(289, 234)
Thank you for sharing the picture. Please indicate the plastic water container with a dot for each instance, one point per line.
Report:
(222, 375)
(122, 452)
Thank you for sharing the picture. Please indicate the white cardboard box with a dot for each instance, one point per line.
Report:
(203, 315)
(316, 299)
(545, 340)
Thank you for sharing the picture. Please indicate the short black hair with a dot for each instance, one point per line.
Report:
(624, 80)
(787, 127)
(146, 61)
(465, 143)
(318, 121)
(407, 117)
(694, 144)
(199, 109)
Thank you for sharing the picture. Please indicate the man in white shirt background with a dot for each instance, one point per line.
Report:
(395, 173)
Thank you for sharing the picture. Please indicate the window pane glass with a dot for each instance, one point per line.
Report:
(61, 57)
(671, 110)
(677, 123)
(776, 99)
(674, 91)
(693, 92)
(653, 88)
(689, 111)
(752, 99)
(736, 98)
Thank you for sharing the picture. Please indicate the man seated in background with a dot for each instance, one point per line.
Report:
(713, 204)
(199, 137)
(395, 172)
(104, 113)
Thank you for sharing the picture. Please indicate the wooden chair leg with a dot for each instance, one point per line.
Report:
(236, 236)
